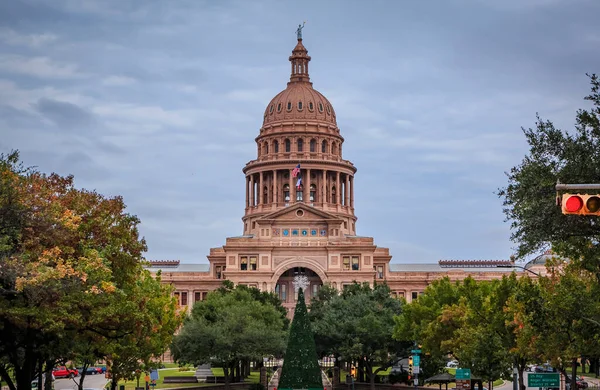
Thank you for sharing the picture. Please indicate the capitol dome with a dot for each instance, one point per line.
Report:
(299, 101)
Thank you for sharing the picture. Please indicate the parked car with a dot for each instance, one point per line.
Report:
(543, 368)
(89, 371)
(581, 383)
(64, 372)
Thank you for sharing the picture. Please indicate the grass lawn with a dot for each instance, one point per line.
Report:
(173, 370)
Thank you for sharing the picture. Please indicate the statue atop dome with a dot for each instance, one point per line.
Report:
(299, 30)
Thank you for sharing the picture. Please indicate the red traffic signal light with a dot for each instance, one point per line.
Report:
(581, 204)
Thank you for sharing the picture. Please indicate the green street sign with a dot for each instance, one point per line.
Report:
(416, 360)
(413, 351)
(543, 380)
(463, 373)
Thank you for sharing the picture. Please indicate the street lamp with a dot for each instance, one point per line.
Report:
(518, 266)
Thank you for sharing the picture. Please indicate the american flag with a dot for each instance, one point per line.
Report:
(296, 171)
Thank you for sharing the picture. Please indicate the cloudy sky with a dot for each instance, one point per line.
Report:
(160, 102)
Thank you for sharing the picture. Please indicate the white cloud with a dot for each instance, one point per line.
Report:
(261, 96)
(11, 37)
(22, 98)
(118, 80)
(42, 67)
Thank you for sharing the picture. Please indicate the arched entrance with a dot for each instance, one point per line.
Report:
(285, 289)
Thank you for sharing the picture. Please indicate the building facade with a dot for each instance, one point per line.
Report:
(299, 216)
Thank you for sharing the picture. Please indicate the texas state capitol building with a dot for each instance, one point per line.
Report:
(305, 227)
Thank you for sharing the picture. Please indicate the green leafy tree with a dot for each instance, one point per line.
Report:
(530, 197)
(153, 322)
(471, 321)
(358, 325)
(324, 332)
(301, 365)
(423, 321)
(230, 325)
(70, 262)
(563, 320)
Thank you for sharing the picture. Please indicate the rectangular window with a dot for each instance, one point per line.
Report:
(253, 263)
(346, 263)
(197, 296)
(204, 293)
(378, 271)
(315, 290)
(218, 270)
(244, 263)
(280, 290)
(184, 299)
(355, 265)
(414, 295)
(177, 297)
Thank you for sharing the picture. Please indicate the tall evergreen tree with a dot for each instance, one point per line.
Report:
(301, 366)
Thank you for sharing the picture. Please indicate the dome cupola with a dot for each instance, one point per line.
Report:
(299, 101)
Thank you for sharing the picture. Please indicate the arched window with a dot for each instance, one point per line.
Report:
(265, 198)
(333, 148)
(313, 145)
(287, 145)
(324, 147)
(286, 193)
(300, 144)
(276, 146)
(333, 195)
(299, 192)
(266, 148)
(313, 193)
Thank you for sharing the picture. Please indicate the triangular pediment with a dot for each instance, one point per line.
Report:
(298, 212)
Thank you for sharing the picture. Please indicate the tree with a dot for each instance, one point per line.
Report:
(325, 334)
(358, 325)
(422, 320)
(530, 196)
(469, 320)
(228, 326)
(301, 365)
(70, 261)
(153, 322)
(563, 321)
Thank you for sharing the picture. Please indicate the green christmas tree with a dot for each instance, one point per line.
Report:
(301, 366)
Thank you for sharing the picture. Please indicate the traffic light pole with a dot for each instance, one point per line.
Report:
(567, 187)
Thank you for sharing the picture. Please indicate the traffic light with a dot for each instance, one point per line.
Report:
(581, 204)
(410, 366)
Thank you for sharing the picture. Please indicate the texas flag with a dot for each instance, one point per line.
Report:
(296, 171)
(299, 183)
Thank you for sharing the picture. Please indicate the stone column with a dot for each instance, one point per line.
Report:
(352, 191)
(338, 195)
(260, 188)
(251, 190)
(347, 191)
(323, 187)
(307, 187)
(292, 189)
(275, 191)
(247, 191)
